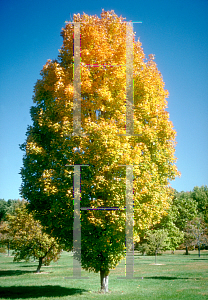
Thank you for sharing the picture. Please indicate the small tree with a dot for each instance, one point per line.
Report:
(157, 241)
(168, 222)
(29, 240)
(7, 208)
(5, 237)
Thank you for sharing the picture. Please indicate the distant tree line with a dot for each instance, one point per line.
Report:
(7, 207)
(184, 225)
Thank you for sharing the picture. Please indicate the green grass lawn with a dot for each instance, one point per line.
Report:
(175, 277)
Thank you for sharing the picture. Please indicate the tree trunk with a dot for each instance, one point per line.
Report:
(155, 257)
(104, 281)
(39, 265)
(199, 250)
(8, 247)
(186, 250)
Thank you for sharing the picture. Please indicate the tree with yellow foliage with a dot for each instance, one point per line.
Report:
(28, 239)
(103, 143)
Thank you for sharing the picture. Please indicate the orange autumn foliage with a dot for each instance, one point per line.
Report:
(51, 145)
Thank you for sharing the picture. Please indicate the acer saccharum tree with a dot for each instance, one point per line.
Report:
(103, 143)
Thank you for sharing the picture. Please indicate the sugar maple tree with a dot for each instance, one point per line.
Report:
(51, 145)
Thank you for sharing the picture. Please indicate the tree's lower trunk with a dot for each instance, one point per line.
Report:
(104, 281)
(186, 250)
(155, 257)
(39, 265)
(8, 247)
(199, 250)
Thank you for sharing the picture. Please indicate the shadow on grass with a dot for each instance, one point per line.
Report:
(200, 258)
(30, 266)
(22, 292)
(13, 273)
(166, 277)
(35, 265)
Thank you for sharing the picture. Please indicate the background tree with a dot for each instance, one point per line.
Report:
(47, 183)
(188, 238)
(197, 232)
(186, 210)
(12, 204)
(4, 237)
(168, 223)
(3, 209)
(200, 195)
(7, 207)
(28, 239)
(157, 241)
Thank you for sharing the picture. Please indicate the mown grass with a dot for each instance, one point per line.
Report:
(177, 277)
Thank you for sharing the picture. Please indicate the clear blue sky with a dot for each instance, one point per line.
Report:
(175, 31)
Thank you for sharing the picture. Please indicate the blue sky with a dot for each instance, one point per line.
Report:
(175, 31)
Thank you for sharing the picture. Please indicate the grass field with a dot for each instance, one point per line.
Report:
(175, 277)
